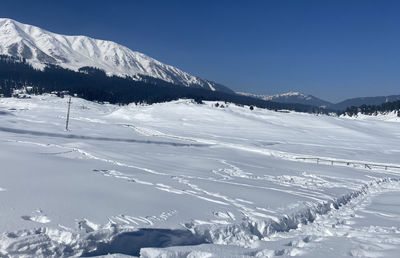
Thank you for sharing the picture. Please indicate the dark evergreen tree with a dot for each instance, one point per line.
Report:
(373, 110)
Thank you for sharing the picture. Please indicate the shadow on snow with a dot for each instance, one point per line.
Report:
(73, 136)
(130, 243)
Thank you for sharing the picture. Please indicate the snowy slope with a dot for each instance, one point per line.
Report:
(228, 182)
(292, 97)
(40, 47)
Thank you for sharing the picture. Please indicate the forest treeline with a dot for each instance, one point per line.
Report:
(95, 85)
(374, 109)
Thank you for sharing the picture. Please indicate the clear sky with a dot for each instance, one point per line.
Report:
(330, 49)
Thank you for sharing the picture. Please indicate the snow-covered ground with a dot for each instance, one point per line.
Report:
(181, 179)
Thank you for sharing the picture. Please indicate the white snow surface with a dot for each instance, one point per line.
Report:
(39, 47)
(180, 179)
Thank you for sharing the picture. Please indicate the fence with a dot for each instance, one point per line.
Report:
(349, 163)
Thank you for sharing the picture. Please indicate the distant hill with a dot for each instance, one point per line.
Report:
(292, 97)
(371, 101)
(305, 99)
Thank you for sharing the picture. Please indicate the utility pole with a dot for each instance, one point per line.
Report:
(69, 108)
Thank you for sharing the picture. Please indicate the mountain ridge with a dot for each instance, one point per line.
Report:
(356, 102)
(291, 97)
(307, 99)
(40, 47)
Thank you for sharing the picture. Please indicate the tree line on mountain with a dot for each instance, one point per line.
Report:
(95, 85)
(373, 109)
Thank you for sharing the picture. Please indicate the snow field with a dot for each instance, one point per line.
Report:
(180, 179)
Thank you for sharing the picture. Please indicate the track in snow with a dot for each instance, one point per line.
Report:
(321, 220)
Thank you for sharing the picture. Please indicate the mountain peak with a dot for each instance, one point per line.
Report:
(7, 26)
(7, 21)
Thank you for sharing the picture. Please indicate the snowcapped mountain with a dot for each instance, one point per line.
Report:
(291, 97)
(40, 47)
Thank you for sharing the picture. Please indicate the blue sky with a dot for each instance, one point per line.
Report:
(331, 49)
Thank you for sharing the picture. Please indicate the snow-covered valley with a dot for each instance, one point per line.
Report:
(180, 179)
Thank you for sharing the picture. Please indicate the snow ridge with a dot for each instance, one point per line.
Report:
(40, 47)
(251, 230)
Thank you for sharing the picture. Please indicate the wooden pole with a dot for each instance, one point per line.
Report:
(69, 108)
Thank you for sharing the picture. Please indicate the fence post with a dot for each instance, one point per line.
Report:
(69, 108)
